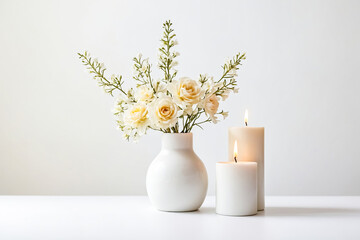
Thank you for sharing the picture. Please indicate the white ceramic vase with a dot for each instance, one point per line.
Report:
(177, 180)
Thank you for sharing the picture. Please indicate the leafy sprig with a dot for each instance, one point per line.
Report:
(230, 68)
(228, 80)
(203, 79)
(192, 120)
(98, 70)
(167, 56)
(143, 72)
(191, 115)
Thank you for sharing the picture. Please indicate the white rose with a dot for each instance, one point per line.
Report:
(185, 91)
(211, 105)
(164, 112)
(144, 94)
(137, 117)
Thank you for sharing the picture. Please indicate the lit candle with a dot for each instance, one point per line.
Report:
(250, 146)
(236, 187)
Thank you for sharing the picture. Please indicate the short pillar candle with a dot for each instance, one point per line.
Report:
(236, 188)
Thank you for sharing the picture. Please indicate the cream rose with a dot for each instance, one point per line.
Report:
(137, 116)
(185, 91)
(211, 105)
(164, 112)
(144, 94)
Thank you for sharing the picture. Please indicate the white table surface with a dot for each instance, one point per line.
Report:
(132, 217)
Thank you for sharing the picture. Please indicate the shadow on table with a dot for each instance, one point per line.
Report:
(307, 212)
(206, 210)
(293, 211)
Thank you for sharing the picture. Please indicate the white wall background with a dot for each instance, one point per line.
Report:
(300, 81)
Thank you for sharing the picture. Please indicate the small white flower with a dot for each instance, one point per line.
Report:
(136, 137)
(236, 90)
(143, 68)
(159, 86)
(175, 42)
(126, 136)
(214, 119)
(117, 108)
(228, 62)
(127, 130)
(144, 94)
(210, 86)
(188, 110)
(160, 55)
(225, 114)
(191, 110)
(173, 64)
(232, 73)
(225, 94)
(130, 93)
(168, 58)
(145, 65)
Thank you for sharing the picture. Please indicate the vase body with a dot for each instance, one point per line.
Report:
(177, 180)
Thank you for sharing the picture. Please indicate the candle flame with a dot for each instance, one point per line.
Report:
(246, 118)
(235, 151)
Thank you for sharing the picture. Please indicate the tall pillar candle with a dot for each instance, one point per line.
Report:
(250, 144)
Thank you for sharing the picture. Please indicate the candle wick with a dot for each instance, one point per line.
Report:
(235, 159)
(246, 124)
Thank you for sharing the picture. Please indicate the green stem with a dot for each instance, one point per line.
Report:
(100, 74)
(198, 124)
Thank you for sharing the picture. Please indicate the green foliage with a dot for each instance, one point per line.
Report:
(191, 113)
(143, 72)
(228, 80)
(98, 71)
(167, 56)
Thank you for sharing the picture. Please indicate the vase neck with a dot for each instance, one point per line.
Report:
(177, 141)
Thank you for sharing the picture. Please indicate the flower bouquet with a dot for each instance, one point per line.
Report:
(177, 179)
(169, 104)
